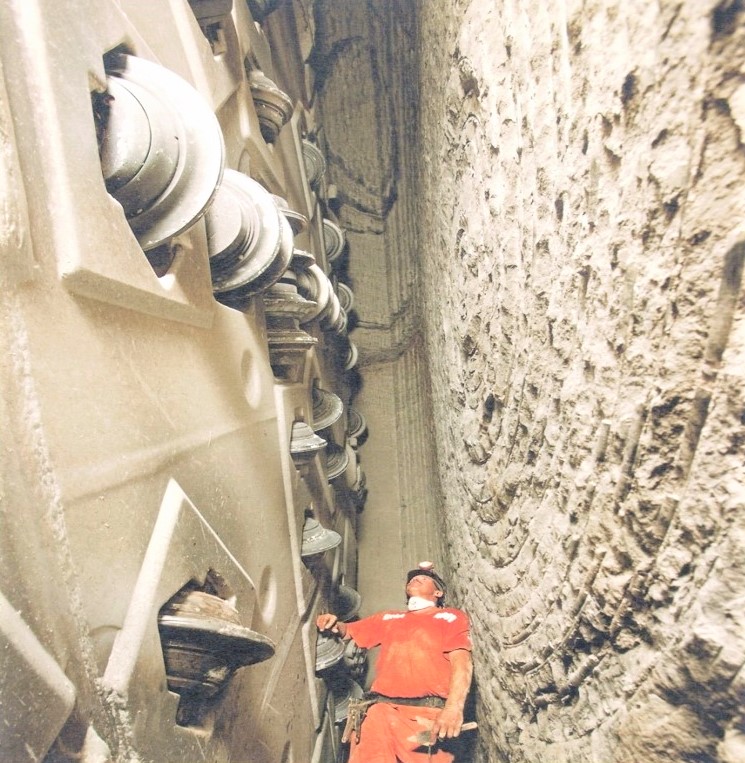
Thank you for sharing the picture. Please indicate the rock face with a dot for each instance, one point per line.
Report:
(575, 289)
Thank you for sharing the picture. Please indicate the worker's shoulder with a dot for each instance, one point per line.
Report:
(450, 615)
(391, 614)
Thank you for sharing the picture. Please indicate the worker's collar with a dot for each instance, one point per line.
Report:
(416, 603)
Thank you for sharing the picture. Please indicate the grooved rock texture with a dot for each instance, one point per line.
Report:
(575, 183)
(582, 216)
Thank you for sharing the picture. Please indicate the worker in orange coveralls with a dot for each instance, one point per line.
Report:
(423, 673)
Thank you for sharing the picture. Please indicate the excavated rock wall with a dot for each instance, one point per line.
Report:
(581, 228)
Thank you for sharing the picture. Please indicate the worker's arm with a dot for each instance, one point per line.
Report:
(448, 723)
(330, 622)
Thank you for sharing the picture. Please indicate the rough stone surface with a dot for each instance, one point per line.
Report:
(582, 213)
(577, 279)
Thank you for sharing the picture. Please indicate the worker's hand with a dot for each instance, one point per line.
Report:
(447, 724)
(328, 622)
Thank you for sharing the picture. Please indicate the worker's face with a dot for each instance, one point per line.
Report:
(423, 586)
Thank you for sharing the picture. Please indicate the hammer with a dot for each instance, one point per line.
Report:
(424, 737)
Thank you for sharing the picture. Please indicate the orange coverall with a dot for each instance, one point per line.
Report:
(414, 661)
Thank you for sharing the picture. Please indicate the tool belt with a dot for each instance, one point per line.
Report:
(358, 710)
(429, 701)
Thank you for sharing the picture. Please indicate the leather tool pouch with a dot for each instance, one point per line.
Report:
(355, 715)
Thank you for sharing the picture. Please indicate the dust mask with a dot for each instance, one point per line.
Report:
(417, 602)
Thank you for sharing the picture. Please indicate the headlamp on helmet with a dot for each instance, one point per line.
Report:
(426, 568)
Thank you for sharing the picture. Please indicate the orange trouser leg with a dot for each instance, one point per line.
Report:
(384, 735)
